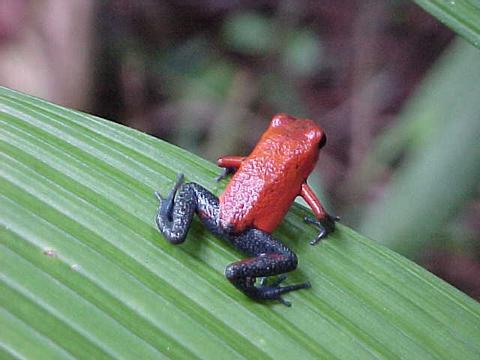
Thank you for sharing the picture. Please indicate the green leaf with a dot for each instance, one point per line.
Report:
(462, 16)
(423, 117)
(441, 128)
(85, 274)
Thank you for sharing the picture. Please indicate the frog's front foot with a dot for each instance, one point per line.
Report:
(326, 225)
(225, 172)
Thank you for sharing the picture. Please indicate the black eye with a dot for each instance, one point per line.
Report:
(322, 141)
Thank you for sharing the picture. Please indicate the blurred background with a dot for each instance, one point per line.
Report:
(396, 92)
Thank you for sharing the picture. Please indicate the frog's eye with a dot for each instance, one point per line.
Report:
(323, 141)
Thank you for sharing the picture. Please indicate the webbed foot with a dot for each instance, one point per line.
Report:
(326, 225)
(166, 204)
(225, 172)
(273, 291)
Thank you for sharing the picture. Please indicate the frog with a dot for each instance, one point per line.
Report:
(261, 189)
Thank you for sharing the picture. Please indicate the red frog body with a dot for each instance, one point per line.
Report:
(267, 181)
(256, 199)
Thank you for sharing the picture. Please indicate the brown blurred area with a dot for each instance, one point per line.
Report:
(208, 76)
(46, 49)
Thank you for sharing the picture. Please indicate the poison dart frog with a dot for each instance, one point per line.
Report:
(259, 194)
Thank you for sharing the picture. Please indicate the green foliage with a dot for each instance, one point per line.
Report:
(439, 131)
(85, 274)
(462, 16)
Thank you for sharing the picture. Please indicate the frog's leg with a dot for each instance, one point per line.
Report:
(230, 164)
(268, 257)
(322, 219)
(176, 211)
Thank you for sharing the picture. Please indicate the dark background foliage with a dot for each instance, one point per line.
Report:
(208, 76)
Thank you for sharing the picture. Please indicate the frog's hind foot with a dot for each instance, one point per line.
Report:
(176, 210)
(166, 204)
(264, 280)
(269, 257)
(274, 292)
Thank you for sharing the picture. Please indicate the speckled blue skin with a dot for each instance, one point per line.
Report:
(267, 256)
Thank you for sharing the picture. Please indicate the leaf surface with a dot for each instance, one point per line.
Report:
(85, 274)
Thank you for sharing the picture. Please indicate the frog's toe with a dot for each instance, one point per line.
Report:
(158, 196)
(179, 180)
(222, 175)
(274, 291)
(284, 302)
(279, 280)
(263, 281)
(326, 226)
(286, 289)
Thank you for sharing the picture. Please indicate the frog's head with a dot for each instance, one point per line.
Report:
(302, 130)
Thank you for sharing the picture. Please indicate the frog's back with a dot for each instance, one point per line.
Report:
(261, 191)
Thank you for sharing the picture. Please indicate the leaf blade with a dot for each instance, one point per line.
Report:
(463, 17)
(83, 187)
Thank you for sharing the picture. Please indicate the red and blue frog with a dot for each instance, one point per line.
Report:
(260, 192)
